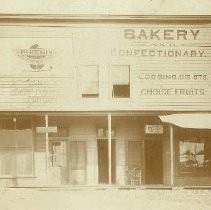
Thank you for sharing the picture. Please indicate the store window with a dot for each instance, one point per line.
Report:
(89, 81)
(16, 147)
(120, 76)
(195, 156)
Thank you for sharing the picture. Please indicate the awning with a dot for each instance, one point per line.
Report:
(194, 120)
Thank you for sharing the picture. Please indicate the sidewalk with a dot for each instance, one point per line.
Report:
(103, 199)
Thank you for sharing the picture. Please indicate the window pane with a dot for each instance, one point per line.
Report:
(121, 91)
(22, 124)
(120, 74)
(207, 154)
(8, 161)
(16, 152)
(7, 124)
(24, 138)
(7, 138)
(192, 158)
(24, 161)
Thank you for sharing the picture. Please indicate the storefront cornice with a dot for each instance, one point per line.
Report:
(45, 18)
(99, 113)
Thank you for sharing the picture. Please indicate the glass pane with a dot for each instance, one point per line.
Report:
(7, 124)
(121, 91)
(7, 138)
(207, 155)
(24, 161)
(191, 156)
(22, 124)
(24, 138)
(8, 161)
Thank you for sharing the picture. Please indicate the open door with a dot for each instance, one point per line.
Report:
(153, 162)
(58, 161)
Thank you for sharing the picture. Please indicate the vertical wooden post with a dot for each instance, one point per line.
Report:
(109, 147)
(46, 142)
(172, 155)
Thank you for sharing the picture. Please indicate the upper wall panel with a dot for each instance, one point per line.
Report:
(90, 66)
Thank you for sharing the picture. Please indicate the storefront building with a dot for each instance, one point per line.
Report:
(88, 101)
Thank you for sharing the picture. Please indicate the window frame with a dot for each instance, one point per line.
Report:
(120, 84)
(191, 135)
(80, 89)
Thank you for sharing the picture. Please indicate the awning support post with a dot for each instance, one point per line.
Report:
(172, 155)
(46, 142)
(109, 147)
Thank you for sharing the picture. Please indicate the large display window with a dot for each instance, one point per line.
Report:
(16, 148)
(194, 152)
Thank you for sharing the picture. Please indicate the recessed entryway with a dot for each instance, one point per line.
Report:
(103, 161)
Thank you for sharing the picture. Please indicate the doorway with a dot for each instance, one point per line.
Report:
(58, 160)
(153, 162)
(103, 162)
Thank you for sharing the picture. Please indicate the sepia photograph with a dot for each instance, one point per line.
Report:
(105, 105)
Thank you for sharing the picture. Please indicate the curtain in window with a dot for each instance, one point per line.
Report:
(120, 75)
(89, 80)
(77, 155)
(8, 161)
(16, 152)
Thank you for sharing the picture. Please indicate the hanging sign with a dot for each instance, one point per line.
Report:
(154, 129)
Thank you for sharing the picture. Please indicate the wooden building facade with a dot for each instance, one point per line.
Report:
(83, 100)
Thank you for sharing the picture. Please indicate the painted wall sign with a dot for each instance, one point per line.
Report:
(169, 67)
(161, 34)
(36, 56)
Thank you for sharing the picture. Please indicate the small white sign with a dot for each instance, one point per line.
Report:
(154, 129)
(103, 132)
(46, 129)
